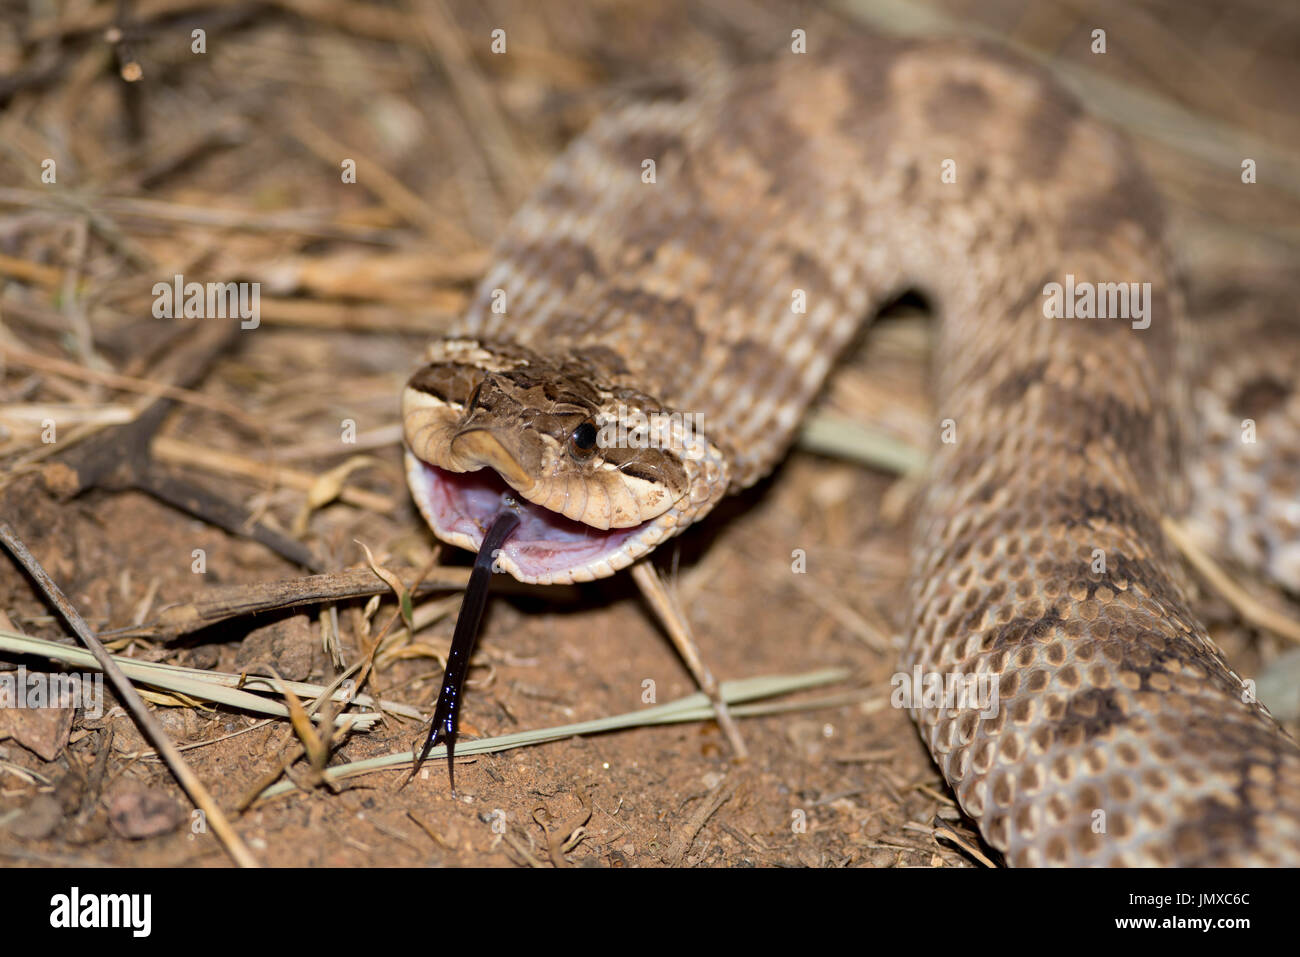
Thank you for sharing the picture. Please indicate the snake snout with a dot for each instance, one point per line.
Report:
(474, 448)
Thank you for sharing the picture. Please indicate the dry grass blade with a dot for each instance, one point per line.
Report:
(1249, 607)
(72, 370)
(218, 687)
(694, 707)
(679, 630)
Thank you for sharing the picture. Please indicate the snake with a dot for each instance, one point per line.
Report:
(661, 311)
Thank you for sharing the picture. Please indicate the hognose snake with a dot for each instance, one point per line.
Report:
(844, 176)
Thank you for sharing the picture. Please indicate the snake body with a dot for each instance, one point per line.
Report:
(717, 285)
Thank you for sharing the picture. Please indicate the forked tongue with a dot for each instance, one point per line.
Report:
(446, 716)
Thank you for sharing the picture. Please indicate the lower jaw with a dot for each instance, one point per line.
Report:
(546, 549)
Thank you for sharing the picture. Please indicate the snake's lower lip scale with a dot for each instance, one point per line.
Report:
(459, 506)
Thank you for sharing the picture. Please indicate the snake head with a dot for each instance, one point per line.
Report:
(600, 473)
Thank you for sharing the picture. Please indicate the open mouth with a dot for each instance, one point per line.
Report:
(545, 549)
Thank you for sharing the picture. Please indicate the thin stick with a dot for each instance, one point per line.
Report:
(228, 601)
(686, 835)
(187, 779)
(679, 630)
(942, 829)
(1249, 607)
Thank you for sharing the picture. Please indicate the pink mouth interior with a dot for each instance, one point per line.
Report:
(545, 543)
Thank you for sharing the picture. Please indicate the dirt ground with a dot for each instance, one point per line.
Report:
(225, 165)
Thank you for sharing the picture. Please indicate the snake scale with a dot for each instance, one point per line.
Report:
(657, 274)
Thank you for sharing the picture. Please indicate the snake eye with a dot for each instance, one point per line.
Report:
(583, 438)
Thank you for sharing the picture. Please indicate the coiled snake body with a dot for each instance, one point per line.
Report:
(627, 290)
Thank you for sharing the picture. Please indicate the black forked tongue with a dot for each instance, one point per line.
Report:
(446, 717)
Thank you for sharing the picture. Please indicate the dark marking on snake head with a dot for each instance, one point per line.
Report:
(651, 465)
(641, 472)
(451, 382)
